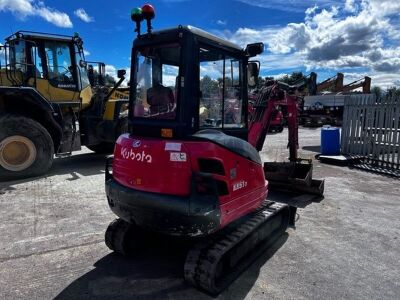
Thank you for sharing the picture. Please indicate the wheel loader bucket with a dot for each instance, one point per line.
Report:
(294, 177)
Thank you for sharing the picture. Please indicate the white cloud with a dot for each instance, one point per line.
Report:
(86, 53)
(221, 22)
(28, 8)
(350, 6)
(82, 14)
(358, 34)
(384, 80)
(290, 5)
(21, 8)
(53, 16)
(244, 36)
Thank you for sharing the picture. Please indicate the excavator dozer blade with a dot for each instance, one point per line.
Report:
(295, 177)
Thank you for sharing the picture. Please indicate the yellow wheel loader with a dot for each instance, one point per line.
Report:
(51, 104)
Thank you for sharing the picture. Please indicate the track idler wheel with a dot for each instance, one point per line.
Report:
(117, 236)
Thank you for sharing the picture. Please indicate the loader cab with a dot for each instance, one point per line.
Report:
(53, 64)
(184, 80)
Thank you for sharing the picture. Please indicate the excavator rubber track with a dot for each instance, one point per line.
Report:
(212, 264)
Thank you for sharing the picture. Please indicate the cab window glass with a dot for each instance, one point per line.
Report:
(59, 65)
(156, 90)
(17, 56)
(82, 68)
(221, 102)
(37, 62)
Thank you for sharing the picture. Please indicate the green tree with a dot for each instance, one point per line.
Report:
(109, 80)
(208, 86)
(293, 78)
(393, 92)
(377, 91)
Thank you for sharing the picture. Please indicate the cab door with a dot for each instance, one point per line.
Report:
(59, 81)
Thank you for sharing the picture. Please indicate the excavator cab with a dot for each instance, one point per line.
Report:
(187, 80)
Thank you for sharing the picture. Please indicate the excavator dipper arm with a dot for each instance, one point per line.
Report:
(295, 175)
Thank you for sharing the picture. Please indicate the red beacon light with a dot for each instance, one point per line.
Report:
(148, 13)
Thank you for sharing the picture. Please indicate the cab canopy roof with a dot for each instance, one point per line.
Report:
(189, 29)
(39, 35)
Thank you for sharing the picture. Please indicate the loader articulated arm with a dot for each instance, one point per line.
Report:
(269, 98)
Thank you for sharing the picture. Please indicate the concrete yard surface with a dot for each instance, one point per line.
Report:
(52, 240)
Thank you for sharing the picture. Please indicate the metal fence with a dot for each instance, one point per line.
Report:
(371, 132)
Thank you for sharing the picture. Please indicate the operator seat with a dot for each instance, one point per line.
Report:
(232, 143)
(160, 98)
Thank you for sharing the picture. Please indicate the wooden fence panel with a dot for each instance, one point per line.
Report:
(371, 131)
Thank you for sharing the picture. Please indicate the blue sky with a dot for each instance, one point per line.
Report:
(357, 37)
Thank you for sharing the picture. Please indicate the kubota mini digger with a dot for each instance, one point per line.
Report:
(192, 172)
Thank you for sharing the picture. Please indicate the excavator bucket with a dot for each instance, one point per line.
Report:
(295, 177)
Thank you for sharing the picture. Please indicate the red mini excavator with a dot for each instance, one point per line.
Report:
(189, 166)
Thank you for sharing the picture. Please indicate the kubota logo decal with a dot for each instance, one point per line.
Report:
(138, 156)
(136, 143)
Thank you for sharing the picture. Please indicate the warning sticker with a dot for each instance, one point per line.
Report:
(173, 146)
(177, 156)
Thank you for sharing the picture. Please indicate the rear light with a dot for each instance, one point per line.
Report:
(204, 185)
(209, 165)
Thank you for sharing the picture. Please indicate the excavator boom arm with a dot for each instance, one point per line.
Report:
(268, 99)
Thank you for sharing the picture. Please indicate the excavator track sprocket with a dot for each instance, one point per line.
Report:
(213, 263)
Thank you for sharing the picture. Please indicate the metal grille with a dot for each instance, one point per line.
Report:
(371, 132)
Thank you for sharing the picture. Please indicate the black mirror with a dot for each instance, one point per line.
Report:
(253, 70)
(90, 72)
(82, 64)
(121, 73)
(254, 49)
(79, 43)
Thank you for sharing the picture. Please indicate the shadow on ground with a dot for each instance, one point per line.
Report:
(85, 164)
(155, 272)
(292, 199)
(316, 149)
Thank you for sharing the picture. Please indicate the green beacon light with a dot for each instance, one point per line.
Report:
(137, 17)
(76, 35)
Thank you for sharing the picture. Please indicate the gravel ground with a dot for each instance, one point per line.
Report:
(52, 228)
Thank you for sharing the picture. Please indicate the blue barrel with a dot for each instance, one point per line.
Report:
(330, 141)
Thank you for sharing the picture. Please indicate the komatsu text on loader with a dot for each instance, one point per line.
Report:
(190, 164)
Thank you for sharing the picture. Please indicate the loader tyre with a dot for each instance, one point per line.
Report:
(26, 147)
(107, 147)
(102, 148)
